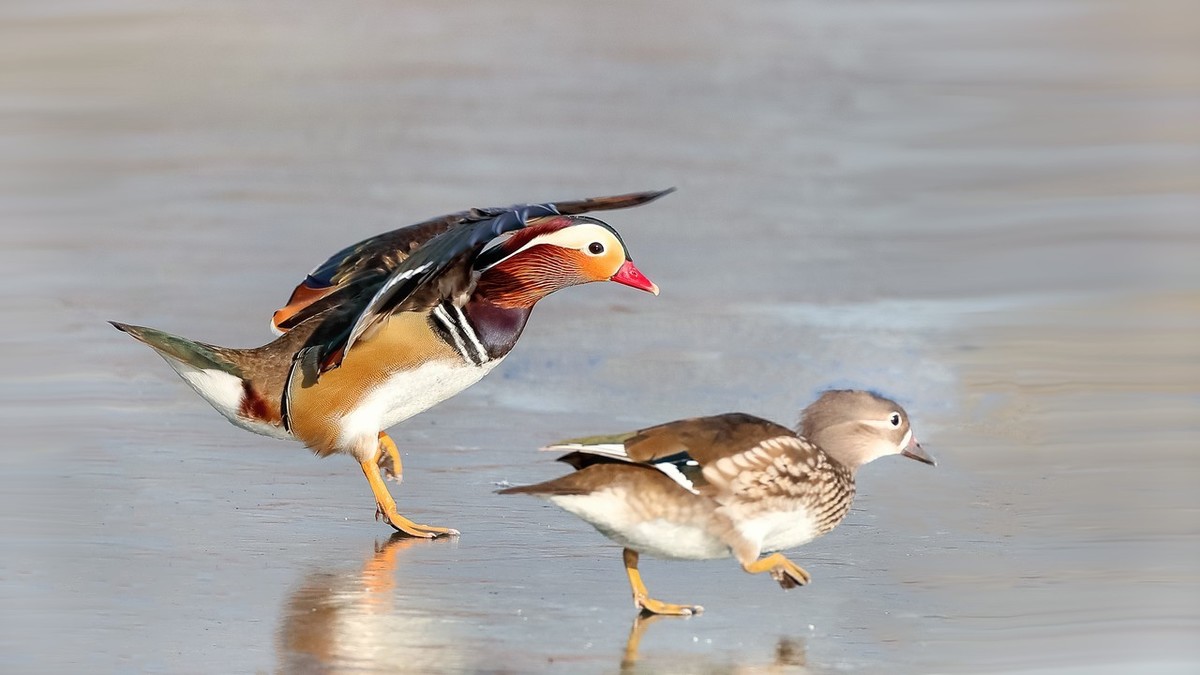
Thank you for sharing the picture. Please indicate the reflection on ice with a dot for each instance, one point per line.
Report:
(789, 657)
(355, 619)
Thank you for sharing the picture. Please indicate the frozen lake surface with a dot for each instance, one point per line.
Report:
(987, 210)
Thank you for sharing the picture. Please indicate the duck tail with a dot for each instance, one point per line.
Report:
(211, 371)
(180, 350)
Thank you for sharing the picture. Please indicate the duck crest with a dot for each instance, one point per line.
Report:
(511, 243)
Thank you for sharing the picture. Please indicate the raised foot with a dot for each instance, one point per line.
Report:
(652, 606)
(787, 573)
(388, 459)
(790, 577)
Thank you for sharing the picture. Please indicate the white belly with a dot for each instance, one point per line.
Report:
(672, 541)
(405, 394)
(778, 531)
(608, 511)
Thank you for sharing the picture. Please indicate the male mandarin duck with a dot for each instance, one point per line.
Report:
(728, 485)
(397, 323)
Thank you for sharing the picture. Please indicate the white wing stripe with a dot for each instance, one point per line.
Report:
(357, 329)
(609, 449)
(673, 472)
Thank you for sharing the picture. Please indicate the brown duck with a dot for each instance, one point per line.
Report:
(728, 485)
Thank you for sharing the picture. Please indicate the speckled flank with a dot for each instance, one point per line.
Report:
(710, 486)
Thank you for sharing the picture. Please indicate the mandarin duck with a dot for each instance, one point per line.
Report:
(727, 485)
(399, 322)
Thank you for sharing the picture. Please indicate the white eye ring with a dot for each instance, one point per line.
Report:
(595, 248)
(895, 419)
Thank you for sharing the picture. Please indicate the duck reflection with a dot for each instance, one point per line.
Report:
(348, 620)
(789, 657)
(360, 619)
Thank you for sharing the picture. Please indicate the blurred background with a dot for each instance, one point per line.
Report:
(986, 209)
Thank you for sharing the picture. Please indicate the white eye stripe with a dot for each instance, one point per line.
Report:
(577, 237)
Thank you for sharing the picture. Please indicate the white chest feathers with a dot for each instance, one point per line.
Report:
(407, 393)
(779, 530)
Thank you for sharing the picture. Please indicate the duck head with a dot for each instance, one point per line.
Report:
(524, 266)
(856, 427)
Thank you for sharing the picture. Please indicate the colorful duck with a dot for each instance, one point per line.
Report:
(397, 323)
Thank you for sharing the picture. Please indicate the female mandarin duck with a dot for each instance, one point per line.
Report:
(733, 484)
(395, 324)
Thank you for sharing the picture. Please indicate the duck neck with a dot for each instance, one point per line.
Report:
(497, 327)
(525, 278)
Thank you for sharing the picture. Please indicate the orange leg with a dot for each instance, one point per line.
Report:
(641, 597)
(386, 506)
(786, 572)
(389, 458)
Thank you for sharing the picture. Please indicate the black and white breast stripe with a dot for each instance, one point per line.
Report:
(456, 330)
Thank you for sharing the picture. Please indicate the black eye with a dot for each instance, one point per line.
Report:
(596, 248)
(895, 419)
